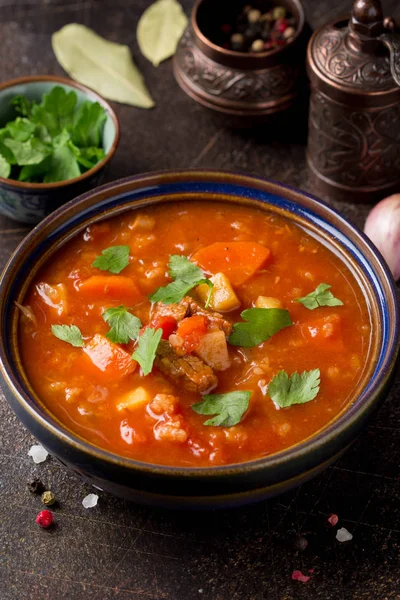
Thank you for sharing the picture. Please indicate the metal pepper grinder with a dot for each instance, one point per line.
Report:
(354, 122)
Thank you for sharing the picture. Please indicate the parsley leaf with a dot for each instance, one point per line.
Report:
(21, 129)
(89, 121)
(180, 267)
(62, 165)
(229, 408)
(113, 259)
(297, 388)
(187, 275)
(145, 352)
(56, 110)
(260, 325)
(68, 333)
(319, 297)
(5, 167)
(31, 152)
(124, 325)
(22, 105)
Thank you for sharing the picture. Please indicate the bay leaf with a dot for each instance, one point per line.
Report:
(159, 30)
(104, 66)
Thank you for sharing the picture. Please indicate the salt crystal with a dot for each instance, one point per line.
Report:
(298, 576)
(200, 590)
(342, 535)
(38, 453)
(333, 520)
(90, 500)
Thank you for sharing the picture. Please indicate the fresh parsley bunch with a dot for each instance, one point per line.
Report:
(51, 141)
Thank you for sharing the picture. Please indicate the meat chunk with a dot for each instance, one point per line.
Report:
(188, 307)
(188, 370)
(177, 311)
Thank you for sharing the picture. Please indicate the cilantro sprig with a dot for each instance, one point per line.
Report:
(113, 259)
(123, 325)
(229, 408)
(68, 333)
(186, 276)
(53, 140)
(319, 297)
(146, 350)
(260, 324)
(297, 388)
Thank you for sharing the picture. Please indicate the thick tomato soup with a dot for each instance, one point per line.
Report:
(194, 334)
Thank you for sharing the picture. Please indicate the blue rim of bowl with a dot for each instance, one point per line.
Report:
(384, 364)
(26, 187)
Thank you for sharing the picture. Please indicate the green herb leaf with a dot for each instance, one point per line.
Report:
(88, 157)
(320, 297)
(124, 325)
(5, 167)
(56, 111)
(63, 165)
(104, 66)
(4, 150)
(113, 259)
(31, 152)
(159, 30)
(260, 325)
(89, 121)
(21, 129)
(35, 173)
(298, 388)
(68, 333)
(229, 408)
(187, 276)
(145, 352)
(22, 105)
(180, 267)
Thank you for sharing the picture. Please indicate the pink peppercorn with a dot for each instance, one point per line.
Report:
(45, 519)
(298, 576)
(226, 28)
(333, 520)
(281, 25)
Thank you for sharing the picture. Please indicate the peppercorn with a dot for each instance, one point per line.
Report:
(45, 519)
(237, 41)
(48, 498)
(279, 12)
(254, 15)
(257, 46)
(289, 32)
(35, 486)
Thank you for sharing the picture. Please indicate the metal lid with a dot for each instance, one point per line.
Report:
(359, 55)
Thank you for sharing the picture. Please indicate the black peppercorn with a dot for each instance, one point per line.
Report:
(35, 486)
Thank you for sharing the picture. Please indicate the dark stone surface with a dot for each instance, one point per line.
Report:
(124, 551)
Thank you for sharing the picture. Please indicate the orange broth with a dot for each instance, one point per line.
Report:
(85, 398)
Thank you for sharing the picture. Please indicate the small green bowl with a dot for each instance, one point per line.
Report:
(31, 202)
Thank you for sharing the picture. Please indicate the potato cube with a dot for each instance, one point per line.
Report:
(213, 350)
(223, 298)
(134, 399)
(268, 302)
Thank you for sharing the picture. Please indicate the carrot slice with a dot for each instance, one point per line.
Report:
(115, 287)
(325, 332)
(111, 360)
(237, 260)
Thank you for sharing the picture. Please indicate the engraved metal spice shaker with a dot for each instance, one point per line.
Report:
(354, 121)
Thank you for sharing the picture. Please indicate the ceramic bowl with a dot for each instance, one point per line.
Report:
(213, 486)
(244, 88)
(31, 202)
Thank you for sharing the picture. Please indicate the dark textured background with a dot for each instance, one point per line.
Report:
(122, 551)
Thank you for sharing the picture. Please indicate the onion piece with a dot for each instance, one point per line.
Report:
(27, 312)
(383, 228)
